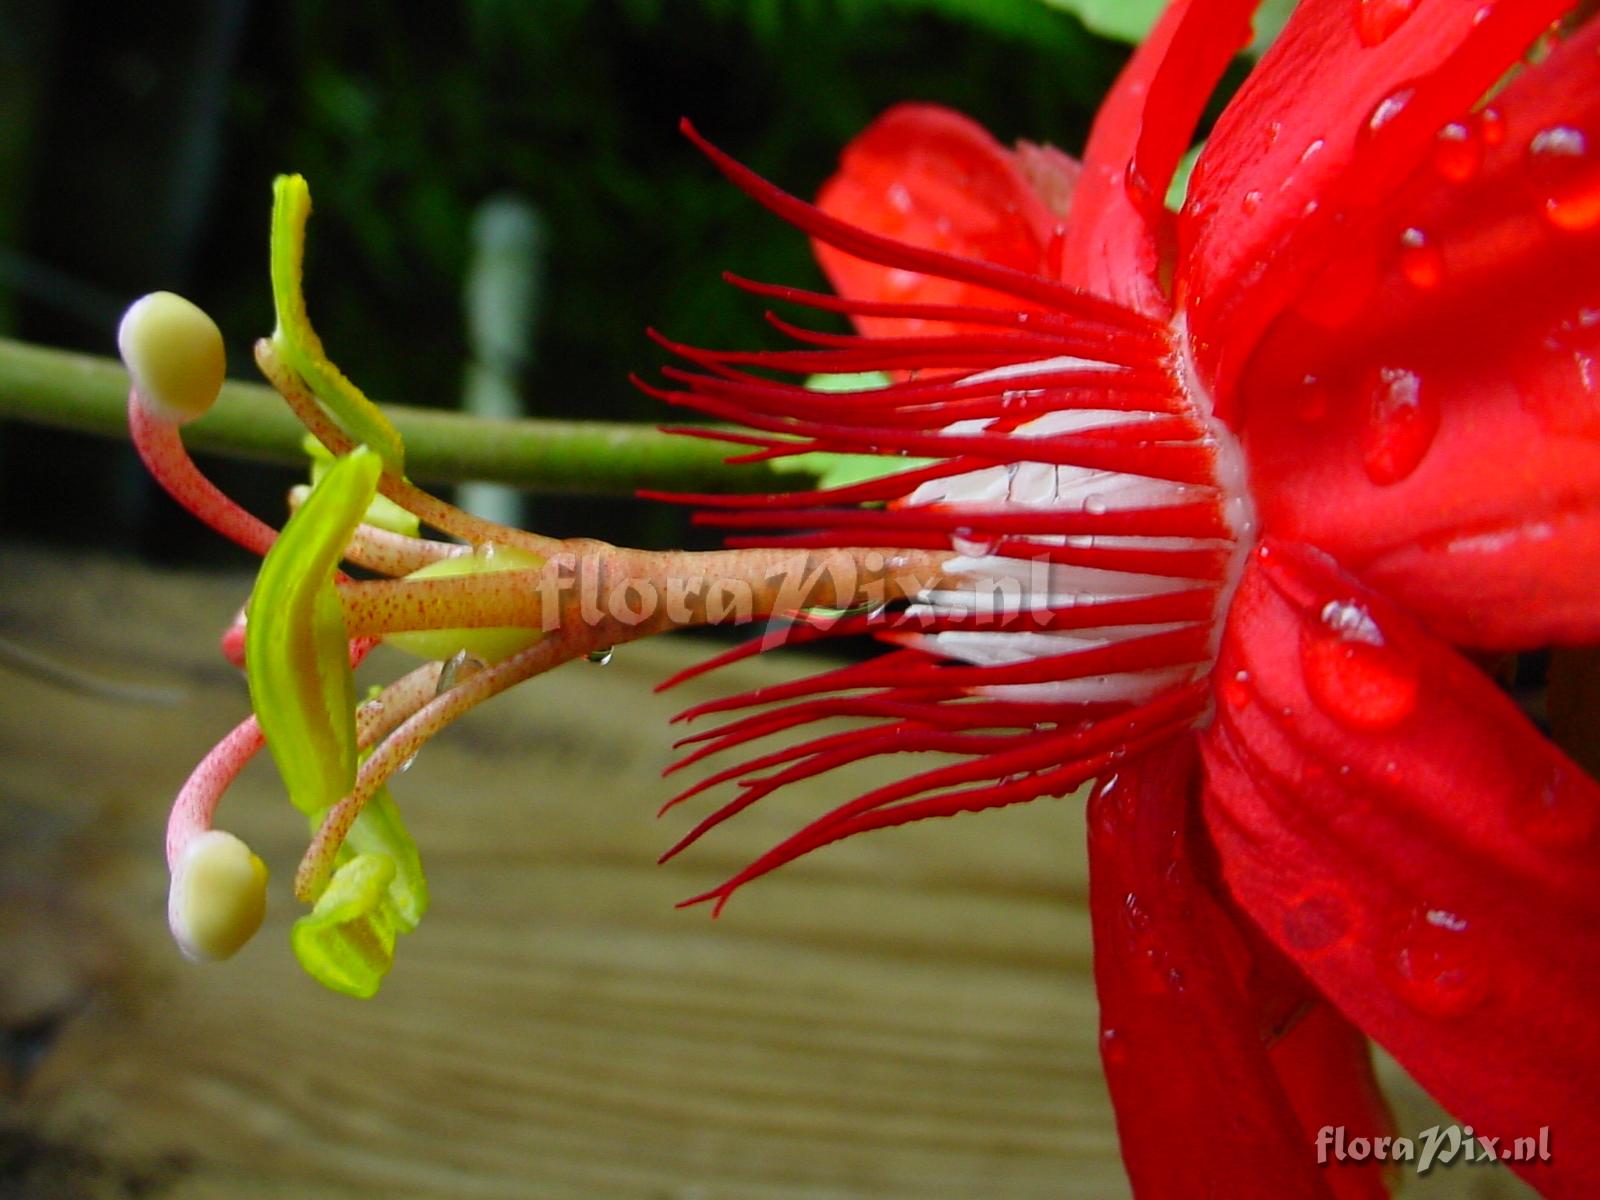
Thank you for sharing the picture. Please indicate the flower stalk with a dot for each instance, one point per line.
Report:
(86, 393)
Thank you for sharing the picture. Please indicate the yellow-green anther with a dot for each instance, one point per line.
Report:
(301, 686)
(346, 942)
(173, 350)
(296, 651)
(382, 513)
(489, 644)
(297, 342)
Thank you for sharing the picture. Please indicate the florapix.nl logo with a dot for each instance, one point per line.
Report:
(1438, 1145)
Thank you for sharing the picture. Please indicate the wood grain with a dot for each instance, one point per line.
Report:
(907, 1015)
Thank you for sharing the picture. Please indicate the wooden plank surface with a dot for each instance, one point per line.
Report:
(907, 1015)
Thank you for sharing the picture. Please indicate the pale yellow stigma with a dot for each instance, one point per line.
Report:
(218, 896)
(174, 352)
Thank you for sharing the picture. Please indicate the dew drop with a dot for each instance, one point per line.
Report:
(1566, 171)
(1235, 689)
(1311, 404)
(1113, 1048)
(1493, 126)
(1402, 421)
(1105, 808)
(1313, 149)
(1271, 133)
(457, 669)
(1434, 965)
(1376, 20)
(1316, 921)
(405, 765)
(1134, 915)
(1390, 107)
(1352, 672)
(1421, 262)
(1558, 811)
(600, 657)
(1458, 150)
(1250, 203)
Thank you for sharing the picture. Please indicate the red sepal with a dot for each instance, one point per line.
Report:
(931, 177)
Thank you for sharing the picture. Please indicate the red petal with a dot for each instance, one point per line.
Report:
(933, 178)
(1119, 222)
(1195, 1092)
(1292, 165)
(1447, 447)
(1424, 856)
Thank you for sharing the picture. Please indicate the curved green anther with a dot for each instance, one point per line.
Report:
(301, 686)
(297, 342)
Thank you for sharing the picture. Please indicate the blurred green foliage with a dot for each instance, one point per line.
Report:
(154, 136)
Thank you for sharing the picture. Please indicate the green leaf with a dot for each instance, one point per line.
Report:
(297, 342)
(1125, 20)
(1131, 20)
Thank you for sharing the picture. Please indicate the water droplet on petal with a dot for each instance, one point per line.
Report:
(1312, 149)
(1250, 203)
(1420, 260)
(600, 657)
(1435, 966)
(1316, 921)
(405, 765)
(1352, 672)
(1493, 126)
(1105, 808)
(1387, 109)
(1402, 421)
(1113, 1048)
(1311, 404)
(1566, 171)
(1376, 20)
(1271, 133)
(1458, 150)
(1558, 811)
(1235, 689)
(1134, 915)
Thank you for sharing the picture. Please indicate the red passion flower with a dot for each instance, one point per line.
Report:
(1239, 478)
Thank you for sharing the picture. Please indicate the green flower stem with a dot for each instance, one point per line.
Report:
(89, 394)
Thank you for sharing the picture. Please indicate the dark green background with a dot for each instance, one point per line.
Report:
(139, 144)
